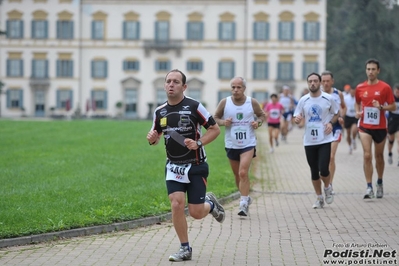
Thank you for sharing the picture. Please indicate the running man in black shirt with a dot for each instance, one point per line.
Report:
(180, 119)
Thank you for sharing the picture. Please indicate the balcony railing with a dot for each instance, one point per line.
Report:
(163, 46)
(39, 83)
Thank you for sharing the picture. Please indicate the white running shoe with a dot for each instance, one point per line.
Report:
(318, 204)
(369, 193)
(329, 196)
(390, 159)
(218, 210)
(380, 191)
(184, 253)
(244, 207)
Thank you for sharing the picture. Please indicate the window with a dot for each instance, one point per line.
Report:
(309, 67)
(39, 68)
(15, 68)
(194, 66)
(65, 68)
(194, 93)
(226, 70)
(15, 29)
(227, 31)
(285, 71)
(162, 65)
(261, 30)
(99, 69)
(162, 30)
(223, 94)
(311, 31)
(195, 31)
(131, 65)
(39, 29)
(14, 98)
(161, 96)
(260, 70)
(131, 30)
(286, 31)
(65, 29)
(64, 99)
(99, 99)
(260, 96)
(131, 102)
(97, 29)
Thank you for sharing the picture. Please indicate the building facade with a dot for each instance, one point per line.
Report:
(100, 58)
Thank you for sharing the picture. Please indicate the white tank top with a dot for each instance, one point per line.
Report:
(350, 105)
(286, 102)
(240, 134)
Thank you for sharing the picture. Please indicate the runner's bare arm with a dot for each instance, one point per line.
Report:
(219, 113)
(260, 114)
(342, 110)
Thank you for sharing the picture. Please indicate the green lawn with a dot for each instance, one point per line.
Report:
(58, 175)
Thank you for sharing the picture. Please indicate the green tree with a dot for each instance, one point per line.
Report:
(359, 30)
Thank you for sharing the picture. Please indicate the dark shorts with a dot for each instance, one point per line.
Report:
(196, 189)
(288, 115)
(378, 135)
(349, 121)
(393, 125)
(234, 154)
(273, 125)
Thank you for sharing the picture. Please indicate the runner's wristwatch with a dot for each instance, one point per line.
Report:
(199, 143)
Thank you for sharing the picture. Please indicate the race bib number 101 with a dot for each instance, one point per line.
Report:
(240, 135)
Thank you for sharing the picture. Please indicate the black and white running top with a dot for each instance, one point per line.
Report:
(180, 121)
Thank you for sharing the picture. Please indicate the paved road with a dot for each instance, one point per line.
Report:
(282, 228)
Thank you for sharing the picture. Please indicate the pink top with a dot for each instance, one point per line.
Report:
(274, 111)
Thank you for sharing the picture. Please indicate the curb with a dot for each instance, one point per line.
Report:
(100, 229)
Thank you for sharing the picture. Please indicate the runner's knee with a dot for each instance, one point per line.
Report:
(324, 172)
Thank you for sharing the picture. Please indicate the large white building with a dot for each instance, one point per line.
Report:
(66, 57)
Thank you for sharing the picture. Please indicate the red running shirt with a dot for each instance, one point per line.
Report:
(372, 117)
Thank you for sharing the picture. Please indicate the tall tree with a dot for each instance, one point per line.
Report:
(359, 30)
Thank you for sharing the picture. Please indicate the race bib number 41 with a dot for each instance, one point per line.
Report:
(314, 132)
(178, 172)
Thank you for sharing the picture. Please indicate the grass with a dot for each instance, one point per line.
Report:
(59, 175)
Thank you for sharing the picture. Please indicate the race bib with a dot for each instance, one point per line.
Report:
(274, 113)
(371, 116)
(351, 112)
(314, 132)
(178, 172)
(240, 135)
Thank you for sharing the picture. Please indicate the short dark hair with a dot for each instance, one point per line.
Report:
(396, 86)
(273, 95)
(373, 61)
(313, 73)
(327, 72)
(183, 77)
